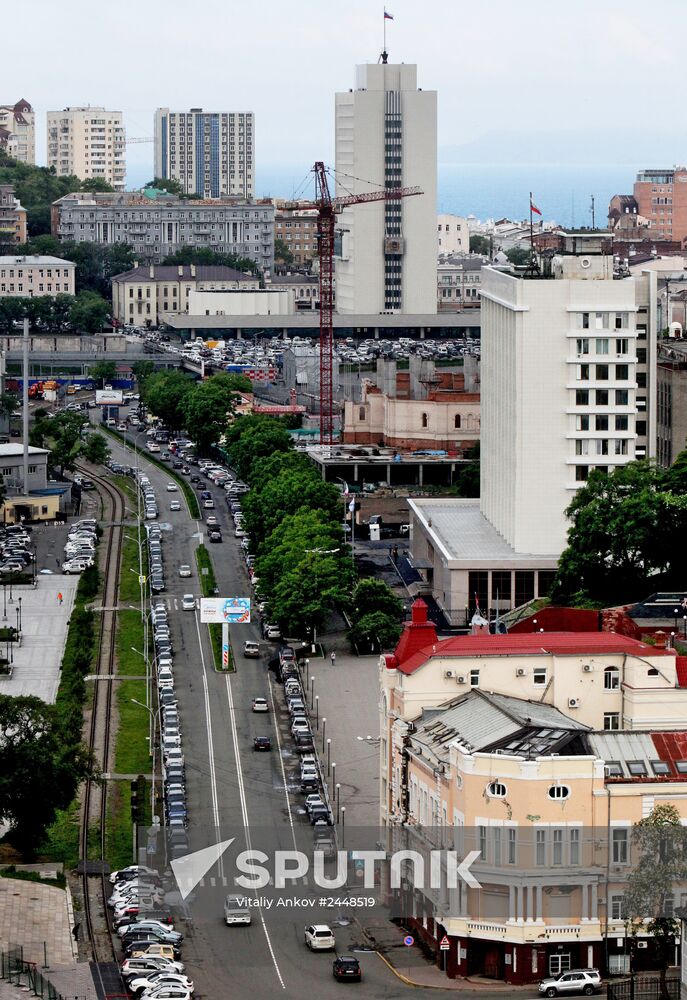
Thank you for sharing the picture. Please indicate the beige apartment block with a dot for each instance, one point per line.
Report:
(500, 744)
(88, 143)
(210, 153)
(18, 131)
(12, 217)
(35, 276)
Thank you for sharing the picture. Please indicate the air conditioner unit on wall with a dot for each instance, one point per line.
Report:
(573, 702)
(521, 672)
(587, 668)
(448, 673)
(642, 944)
(460, 679)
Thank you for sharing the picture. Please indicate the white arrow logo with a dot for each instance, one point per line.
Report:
(464, 870)
(191, 868)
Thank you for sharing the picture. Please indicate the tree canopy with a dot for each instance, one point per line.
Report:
(206, 255)
(209, 405)
(65, 437)
(623, 530)
(165, 395)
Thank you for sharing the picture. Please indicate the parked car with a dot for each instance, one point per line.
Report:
(586, 981)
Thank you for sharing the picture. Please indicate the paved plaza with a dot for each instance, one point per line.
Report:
(40, 918)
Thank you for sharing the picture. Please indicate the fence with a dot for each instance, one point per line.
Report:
(16, 971)
(643, 988)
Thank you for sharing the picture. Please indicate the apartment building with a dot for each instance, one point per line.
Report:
(146, 296)
(459, 279)
(18, 131)
(297, 229)
(156, 224)
(12, 217)
(658, 201)
(453, 234)
(671, 401)
(88, 143)
(386, 137)
(34, 276)
(210, 153)
(478, 753)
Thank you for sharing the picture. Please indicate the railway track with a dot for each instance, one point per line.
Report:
(94, 802)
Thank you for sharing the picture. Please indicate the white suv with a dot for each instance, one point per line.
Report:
(587, 981)
(319, 937)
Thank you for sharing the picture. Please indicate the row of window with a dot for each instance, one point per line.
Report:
(604, 446)
(601, 345)
(20, 288)
(10, 273)
(603, 320)
(601, 423)
(603, 373)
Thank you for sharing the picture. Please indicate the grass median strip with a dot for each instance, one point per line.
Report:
(208, 586)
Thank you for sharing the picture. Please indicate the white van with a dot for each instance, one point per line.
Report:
(235, 912)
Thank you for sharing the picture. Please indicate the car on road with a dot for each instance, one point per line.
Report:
(585, 981)
(188, 602)
(260, 705)
(175, 505)
(211, 521)
(172, 488)
(215, 535)
(262, 743)
(299, 725)
(251, 649)
(209, 504)
(346, 967)
(319, 937)
(236, 911)
(272, 632)
(184, 570)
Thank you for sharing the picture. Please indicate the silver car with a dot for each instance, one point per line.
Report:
(586, 981)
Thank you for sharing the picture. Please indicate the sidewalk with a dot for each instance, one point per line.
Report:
(44, 623)
(40, 918)
(348, 699)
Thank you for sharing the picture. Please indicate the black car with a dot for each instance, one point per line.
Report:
(177, 464)
(262, 743)
(346, 967)
(215, 536)
(321, 814)
(87, 484)
(304, 743)
(195, 479)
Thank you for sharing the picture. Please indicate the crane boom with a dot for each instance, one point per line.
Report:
(327, 209)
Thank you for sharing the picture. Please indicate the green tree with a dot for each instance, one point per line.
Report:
(143, 370)
(209, 406)
(95, 449)
(96, 184)
(376, 629)
(39, 769)
(659, 845)
(481, 245)
(467, 478)
(304, 531)
(89, 312)
(206, 255)
(103, 371)
(519, 256)
(373, 595)
(254, 437)
(623, 531)
(287, 493)
(307, 593)
(282, 254)
(167, 184)
(165, 394)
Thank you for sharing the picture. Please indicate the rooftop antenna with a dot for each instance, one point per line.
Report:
(593, 214)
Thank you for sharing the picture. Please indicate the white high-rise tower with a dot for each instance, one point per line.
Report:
(386, 136)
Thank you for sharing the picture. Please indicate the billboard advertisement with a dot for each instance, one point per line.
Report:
(225, 610)
(108, 397)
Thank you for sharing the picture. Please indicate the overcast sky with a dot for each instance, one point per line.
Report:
(584, 81)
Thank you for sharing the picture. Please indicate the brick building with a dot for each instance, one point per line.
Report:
(659, 201)
(297, 229)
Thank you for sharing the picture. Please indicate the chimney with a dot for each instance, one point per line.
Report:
(660, 638)
(135, 264)
(193, 270)
(151, 271)
(418, 634)
(180, 270)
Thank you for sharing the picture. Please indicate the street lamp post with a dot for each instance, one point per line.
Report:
(4, 600)
(317, 711)
(684, 626)
(334, 774)
(338, 800)
(19, 614)
(343, 826)
(324, 730)
(676, 612)
(329, 753)
(312, 692)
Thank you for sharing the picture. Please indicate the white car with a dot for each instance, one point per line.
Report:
(172, 488)
(76, 565)
(175, 505)
(188, 602)
(123, 874)
(319, 937)
(155, 980)
(169, 993)
(260, 705)
(239, 532)
(150, 963)
(300, 725)
(184, 570)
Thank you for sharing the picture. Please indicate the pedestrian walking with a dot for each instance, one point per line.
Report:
(395, 553)
(57, 561)
(59, 596)
(332, 657)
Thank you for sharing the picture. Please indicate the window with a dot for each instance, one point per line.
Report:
(637, 768)
(456, 421)
(668, 905)
(574, 846)
(474, 678)
(602, 345)
(582, 423)
(482, 842)
(584, 321)
(611, 678)
(601, 423)
(512, 853)
(361, 413)
(622, 346)
(497, 790)
(614, 769)
(617, 907)
(546, 581)
(602, 373)
(425, 420)
(559, 792)
(583, 373)
(621, 422)
(539, 675)
(500, 585)
(524, 586)
(622, 397)
(611, 721)
(540, 848)
(660, 767)
(583, 345)
(496, 860)
(581, 473)
(601, 397)
(582, 397)
(619, 845)
(622, 373)
(557, 845)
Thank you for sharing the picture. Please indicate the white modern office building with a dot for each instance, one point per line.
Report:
(386, 137)
(88, 143)
(210, 153)
(568, 385)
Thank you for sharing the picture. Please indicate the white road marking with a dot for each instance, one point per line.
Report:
(281, 762)
(244, 812)
(211, 749)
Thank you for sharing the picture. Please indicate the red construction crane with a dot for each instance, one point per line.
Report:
(328, 208)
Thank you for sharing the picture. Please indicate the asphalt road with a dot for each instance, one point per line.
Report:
(233, 791)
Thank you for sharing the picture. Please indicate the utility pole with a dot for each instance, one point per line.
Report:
(593, 214)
